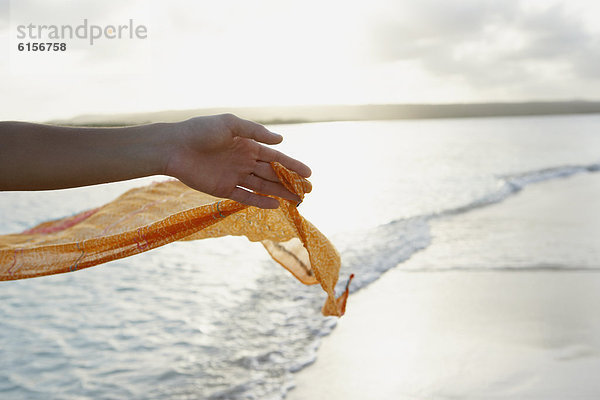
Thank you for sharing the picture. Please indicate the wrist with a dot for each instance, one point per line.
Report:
(160, 145)
(174, 143)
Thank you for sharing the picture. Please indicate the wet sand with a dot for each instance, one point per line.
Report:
(530, 334)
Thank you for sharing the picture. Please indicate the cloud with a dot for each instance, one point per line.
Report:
(411, 29)
(235, 52)
(511, 44)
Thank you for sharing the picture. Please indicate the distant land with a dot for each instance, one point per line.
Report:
(323, 113)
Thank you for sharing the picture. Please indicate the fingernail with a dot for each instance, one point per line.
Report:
(275, 134)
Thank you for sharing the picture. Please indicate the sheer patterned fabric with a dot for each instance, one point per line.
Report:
(152, 216)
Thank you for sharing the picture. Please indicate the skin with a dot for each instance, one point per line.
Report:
(221, 155)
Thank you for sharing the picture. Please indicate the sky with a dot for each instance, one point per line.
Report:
(232, 53)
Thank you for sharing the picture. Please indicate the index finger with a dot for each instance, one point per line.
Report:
(267, 154)
(253, 130)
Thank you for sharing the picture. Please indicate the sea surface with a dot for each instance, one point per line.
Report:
(218, 319)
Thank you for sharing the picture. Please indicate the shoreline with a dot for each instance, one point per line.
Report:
(278, 115)
(419, 332)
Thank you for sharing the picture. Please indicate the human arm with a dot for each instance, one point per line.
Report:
(220, 155)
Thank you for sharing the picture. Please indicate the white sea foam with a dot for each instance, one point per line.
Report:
(509, 185)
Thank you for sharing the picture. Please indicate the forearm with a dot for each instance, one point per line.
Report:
(39, 157)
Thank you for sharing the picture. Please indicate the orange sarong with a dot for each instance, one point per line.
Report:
(148, 217)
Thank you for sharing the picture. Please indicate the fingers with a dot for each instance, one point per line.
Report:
(252, 130)
(266, 154)
(265, 171)
(253, 199)
(270, 188)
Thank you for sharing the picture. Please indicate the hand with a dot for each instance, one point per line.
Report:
(221, 155)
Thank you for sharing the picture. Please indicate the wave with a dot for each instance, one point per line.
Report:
(514, 183)
(368, 254)
(523, 179)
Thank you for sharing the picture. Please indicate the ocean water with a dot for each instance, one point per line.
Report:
(218, 319)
